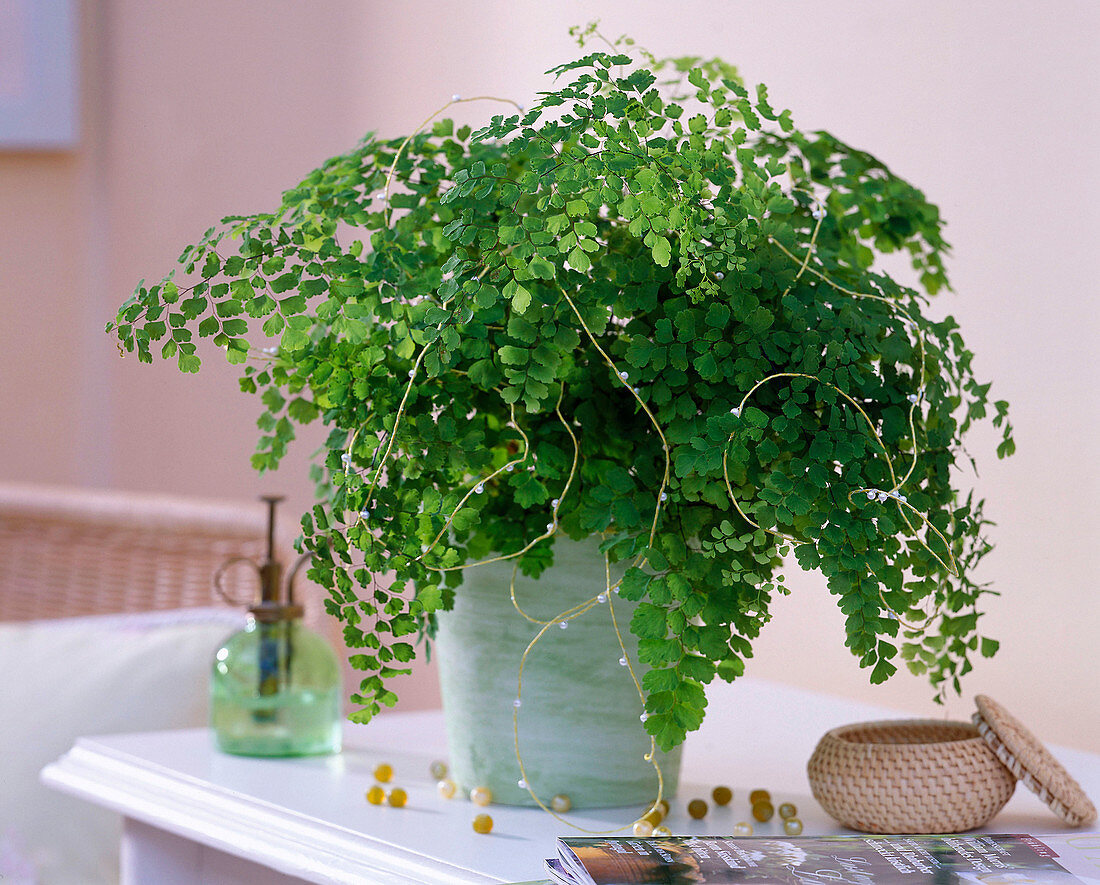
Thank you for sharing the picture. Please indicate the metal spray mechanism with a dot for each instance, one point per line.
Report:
(275, 601)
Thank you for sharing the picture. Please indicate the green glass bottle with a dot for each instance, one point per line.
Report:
(275, 688)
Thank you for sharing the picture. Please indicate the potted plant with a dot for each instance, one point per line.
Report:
(644, 312)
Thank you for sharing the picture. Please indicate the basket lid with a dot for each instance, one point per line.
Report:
(1026, 757)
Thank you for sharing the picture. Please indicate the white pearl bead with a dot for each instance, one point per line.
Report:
(870, 494)
(564, 625)
(601, 598)
(517, 703)
(622, 662)
(643, 717)
(736, 413)
(364, 514)
(912, 397)
(719, 276)
(555, 502)
(522, 784)
(479, 489)
(346, 459)
(549, 526)
(664, 496)
(456, 97)
(510, 467)
(412, 373)
(623, 375)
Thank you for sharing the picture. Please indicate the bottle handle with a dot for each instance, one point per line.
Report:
(222, 592)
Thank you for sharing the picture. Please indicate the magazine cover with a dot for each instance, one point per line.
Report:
(830, 860)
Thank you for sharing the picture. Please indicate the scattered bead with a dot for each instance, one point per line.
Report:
(376, 795)
(483, 824)
(792, 826)
(721, 795)
(522, 784)
(697, 808)
(622, 662)
(481, 796)
(398, 797)
(788, 810)
(564, 625)
(742, 828)
(756, 795)
(643, 828)
(561, 803)
(662, 831)
(383, 773)
(456, 97)
(438, 769)
(763, 810)
(517, 703)
(446, 788)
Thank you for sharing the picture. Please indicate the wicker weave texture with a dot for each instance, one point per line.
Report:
(909, 776)
(71, 552)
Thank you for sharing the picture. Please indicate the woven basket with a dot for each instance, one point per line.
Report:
(909, 776)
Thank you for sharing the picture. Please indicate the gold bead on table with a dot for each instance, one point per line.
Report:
(446, 788)
(662, 831)
(763, 810)
(398, 797)
(561, 803)
(756, 795)
(654, 816)
(721, 795)
(642, 827)
(483, 824)
(481, 796)
(792, 826)
(788, 810)
(383, 773)
(697, 808)
(438, 769)
(664, 806)
(742, 828)
(376, 795)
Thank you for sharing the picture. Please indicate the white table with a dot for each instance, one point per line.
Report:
(193, 815)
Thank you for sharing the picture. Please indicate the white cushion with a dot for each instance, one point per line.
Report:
(62, 679)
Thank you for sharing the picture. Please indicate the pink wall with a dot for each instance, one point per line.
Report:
(192, 111)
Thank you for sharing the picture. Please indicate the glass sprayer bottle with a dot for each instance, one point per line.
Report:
(275, 688)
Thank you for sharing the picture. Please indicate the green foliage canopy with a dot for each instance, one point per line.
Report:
(433, 275)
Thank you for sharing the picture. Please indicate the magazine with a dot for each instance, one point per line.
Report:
(973, 859)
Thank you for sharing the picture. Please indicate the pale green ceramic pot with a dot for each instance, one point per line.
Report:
(579, 728)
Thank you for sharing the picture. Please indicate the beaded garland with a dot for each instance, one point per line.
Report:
(563, 618)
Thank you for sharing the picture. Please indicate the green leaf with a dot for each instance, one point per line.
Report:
(662, 251)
